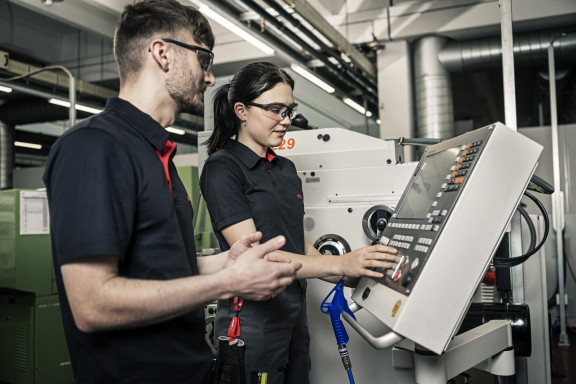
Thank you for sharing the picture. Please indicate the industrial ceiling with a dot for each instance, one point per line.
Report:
(336, 40)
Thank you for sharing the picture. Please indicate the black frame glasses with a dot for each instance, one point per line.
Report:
(279, 116)
(206, 65)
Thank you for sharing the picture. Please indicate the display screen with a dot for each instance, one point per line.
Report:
(427, 184)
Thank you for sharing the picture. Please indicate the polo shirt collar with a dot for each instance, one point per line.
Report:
(245, 154)
(141, 122)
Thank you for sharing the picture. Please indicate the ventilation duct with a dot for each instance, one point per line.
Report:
(435, 116)
(530, 48)
(435, 57)
(33, 110)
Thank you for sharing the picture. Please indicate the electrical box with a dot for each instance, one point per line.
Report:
(25, 251)
(33, 347)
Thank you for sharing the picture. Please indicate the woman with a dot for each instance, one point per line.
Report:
(249, 188)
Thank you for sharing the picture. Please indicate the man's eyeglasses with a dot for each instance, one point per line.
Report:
(205, 56)
(276, 111)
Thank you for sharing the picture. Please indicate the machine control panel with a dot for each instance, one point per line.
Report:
(446, 227)
(416, 224)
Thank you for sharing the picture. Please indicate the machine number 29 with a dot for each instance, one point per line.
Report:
(286, 144)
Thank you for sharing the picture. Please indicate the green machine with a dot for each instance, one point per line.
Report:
(32, 343)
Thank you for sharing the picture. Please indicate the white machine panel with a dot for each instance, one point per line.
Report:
(447, 226)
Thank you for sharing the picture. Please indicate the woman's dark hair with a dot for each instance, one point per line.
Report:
(247, 84)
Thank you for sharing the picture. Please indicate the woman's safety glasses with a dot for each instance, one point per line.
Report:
(276, 111)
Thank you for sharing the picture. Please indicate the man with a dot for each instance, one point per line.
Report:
(130, 286)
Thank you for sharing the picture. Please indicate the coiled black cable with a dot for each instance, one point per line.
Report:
(514, 261)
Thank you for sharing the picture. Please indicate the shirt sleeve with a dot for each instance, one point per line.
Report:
(223, 186)
(92, 196)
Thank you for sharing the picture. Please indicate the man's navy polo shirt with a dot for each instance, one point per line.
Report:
(237, 185)
(108, 195)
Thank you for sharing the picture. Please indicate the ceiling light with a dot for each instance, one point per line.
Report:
(177, 131)
(355, 105)
(79, 107)
(310, 77)
(5, 89)
(207, 11)
(27, 145)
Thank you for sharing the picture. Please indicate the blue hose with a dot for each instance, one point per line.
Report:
(334, 309)
(350, 377)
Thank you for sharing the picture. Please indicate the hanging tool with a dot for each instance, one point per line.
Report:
(334, 309)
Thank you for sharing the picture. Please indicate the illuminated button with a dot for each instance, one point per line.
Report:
(415, 263)
(459, 180)
(464, 153)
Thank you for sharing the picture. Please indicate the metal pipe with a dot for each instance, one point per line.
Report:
(72, 97)
(557, 196)
(508, 64)
(345, 72)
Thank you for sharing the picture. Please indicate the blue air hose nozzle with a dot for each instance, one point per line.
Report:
(335, 308)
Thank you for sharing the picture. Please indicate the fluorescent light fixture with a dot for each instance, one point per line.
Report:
(355, 105)
(79, 107)
(310, 77)
(207, 11)
(177, 131)
(27, 145)
(5, 89)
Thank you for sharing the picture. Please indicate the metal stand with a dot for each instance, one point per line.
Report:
(487, 347)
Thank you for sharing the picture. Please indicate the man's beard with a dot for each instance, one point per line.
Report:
(189, 99)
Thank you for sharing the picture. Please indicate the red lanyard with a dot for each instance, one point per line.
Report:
(234, 329)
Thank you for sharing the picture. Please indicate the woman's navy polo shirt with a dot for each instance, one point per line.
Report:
(237, 185)
(108, 195)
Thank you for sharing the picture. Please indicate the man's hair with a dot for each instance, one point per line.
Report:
(144, 20)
